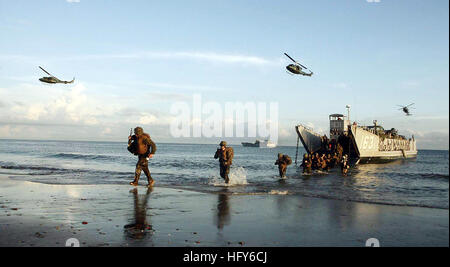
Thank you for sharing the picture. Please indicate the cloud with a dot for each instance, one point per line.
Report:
(74, 106)
(212, 57)
(432, 140)
(285, 133)
(203, 56)
(41, 107)
(72, 1)
(106, 131)
(77, 114)
(5, 131)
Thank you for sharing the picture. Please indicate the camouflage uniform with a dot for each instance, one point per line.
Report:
(306, 164)
(323, 163)
(225, 159)
(344, 165)
(144, 146)
(283, 161)
(316, 161)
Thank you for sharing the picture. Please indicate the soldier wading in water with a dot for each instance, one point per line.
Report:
(141, 145)
(283, 161)
(225, 155)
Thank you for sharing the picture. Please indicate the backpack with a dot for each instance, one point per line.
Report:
(132, 148)
(142, 148)
(230, 154)
(287, 159)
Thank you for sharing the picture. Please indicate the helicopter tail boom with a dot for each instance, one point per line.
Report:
(70, 81)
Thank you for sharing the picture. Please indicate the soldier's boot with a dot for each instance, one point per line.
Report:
(151, 182)
(135, 181)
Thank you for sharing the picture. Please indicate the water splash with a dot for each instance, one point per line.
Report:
(238, 176)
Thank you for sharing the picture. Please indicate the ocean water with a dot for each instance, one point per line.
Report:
(422, 182)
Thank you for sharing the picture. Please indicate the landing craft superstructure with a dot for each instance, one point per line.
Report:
(365, 144)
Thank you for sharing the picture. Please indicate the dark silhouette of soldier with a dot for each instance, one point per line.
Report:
(140, 226)
(225, 155)
(141, 145)
(223, 210)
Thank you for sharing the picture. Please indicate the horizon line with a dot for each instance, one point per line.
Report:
(163, 142)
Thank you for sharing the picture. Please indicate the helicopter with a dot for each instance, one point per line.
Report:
(53, 79)
(296, 68)
(406, 109)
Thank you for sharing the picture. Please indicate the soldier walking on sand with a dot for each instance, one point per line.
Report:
(141, 145)
(225, 155)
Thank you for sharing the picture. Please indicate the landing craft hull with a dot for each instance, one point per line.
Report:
(311, 141)
(373, 149)
(369, 147)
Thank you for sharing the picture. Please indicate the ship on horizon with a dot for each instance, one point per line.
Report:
(260, 144)
(363, 144)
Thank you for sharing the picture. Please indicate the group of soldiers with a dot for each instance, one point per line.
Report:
(141, 145)
(324, 162)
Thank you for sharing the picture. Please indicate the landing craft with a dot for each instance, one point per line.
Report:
(53, 79)
(363, 144)
(405, 109)
(296, 68)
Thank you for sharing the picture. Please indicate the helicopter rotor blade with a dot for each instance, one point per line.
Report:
(302, 66)
(410, 105)
(46, 71)
(291, 58)
(297, 62)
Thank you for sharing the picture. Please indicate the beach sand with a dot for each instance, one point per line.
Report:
(33, 214)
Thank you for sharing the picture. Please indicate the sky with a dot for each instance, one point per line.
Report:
(133, 60)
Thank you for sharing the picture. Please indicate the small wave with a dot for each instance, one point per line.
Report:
(434, 175)
(184, 164)
(24, 167)
(84, 156)
(278, 192)
(40, 170)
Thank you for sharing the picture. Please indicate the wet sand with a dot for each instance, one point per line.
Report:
(33, 214)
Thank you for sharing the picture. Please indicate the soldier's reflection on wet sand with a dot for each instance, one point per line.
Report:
(140, 226)
(223, 210)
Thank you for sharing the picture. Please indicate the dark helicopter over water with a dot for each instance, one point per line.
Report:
(296, 68)
(405, 109)
(53, 79)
